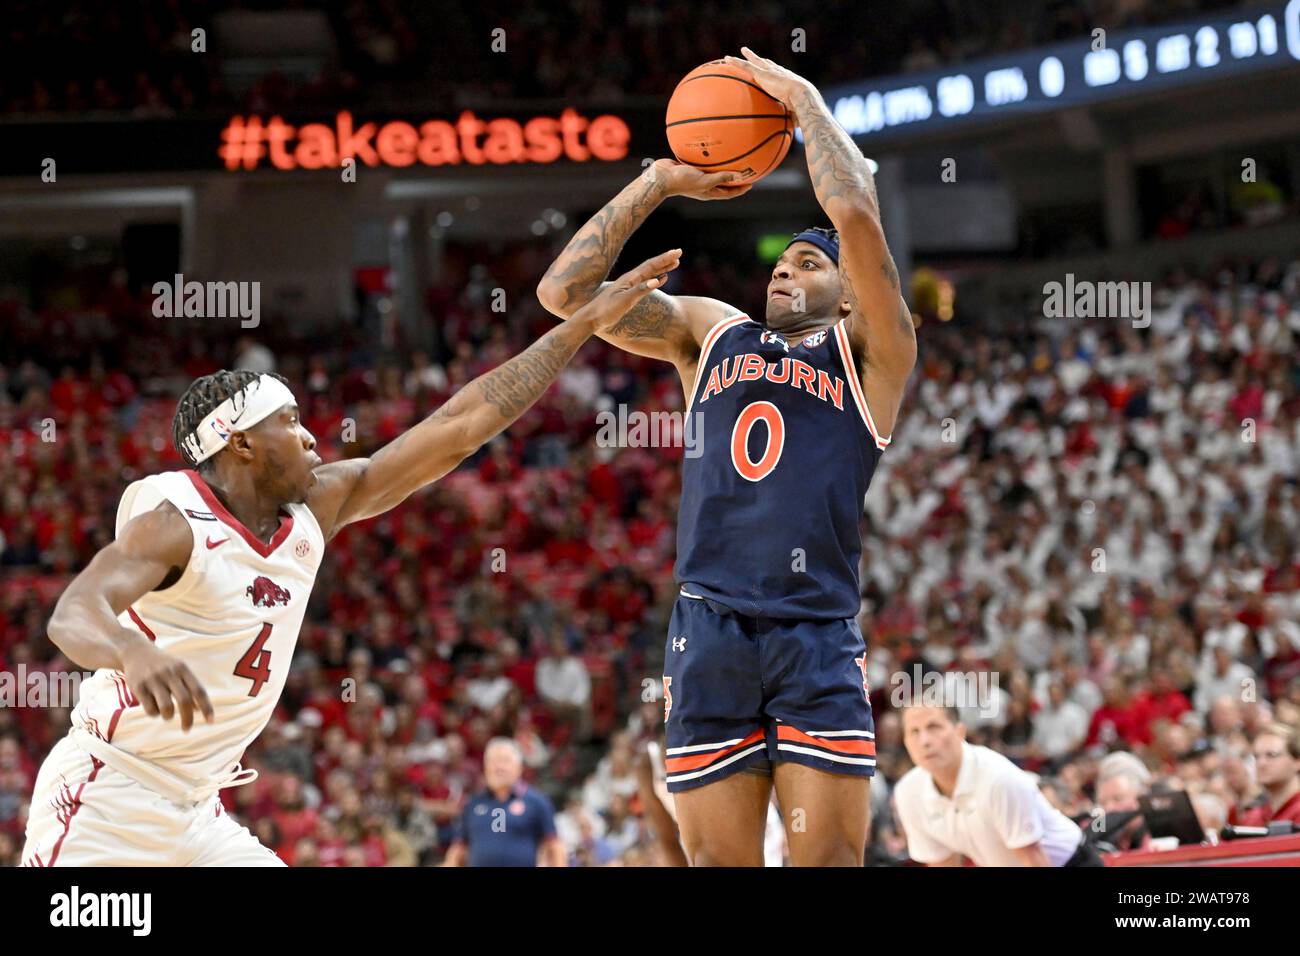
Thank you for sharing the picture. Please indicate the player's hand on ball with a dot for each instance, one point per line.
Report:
(776, 81)
(615, 299)
(679, 179)
(164, 685)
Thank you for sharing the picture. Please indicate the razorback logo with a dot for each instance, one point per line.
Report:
(266, 593)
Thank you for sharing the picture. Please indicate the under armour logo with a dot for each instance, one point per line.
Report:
(679, 643)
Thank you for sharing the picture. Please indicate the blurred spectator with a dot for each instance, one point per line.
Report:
(564, 685)
(1121, 780)
(509, 823)
(1061, 726)
(1277, 768)
(253, 356)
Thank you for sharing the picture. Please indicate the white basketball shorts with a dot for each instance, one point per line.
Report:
(85, 813)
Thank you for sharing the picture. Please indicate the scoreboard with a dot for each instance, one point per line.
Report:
(1107, 66)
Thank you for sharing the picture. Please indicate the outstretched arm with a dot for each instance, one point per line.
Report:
(660, 326)
(880, 326)
(360, 488)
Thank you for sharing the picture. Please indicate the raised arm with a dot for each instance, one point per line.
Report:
(152, 550)
(360, 488)
(880, 326)
(661, 326)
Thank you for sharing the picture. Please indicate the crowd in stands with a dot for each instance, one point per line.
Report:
(1101, 518)
(1110, 524)
(83, 57)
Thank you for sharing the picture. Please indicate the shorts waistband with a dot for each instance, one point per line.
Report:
(166, 784)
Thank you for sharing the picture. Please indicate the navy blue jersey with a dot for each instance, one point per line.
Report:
(768, 522)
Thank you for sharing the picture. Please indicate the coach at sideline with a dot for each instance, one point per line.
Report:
(508, 823)
(963, 800)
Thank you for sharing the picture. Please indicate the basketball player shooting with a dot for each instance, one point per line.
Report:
(195, 608)
(764, 674)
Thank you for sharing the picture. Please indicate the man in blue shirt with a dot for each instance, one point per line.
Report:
(509, 823)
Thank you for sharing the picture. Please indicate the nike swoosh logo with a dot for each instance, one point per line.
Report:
(213, 544)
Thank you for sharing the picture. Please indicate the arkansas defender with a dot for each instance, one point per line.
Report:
(196, 606)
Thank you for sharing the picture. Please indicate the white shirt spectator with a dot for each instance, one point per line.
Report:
(1087, 695)
(582, 382)
(486, 693)
(980, 707)
(1210, 686)
(563, 680)
(995, 808)
(602, 786)
(428, 377)
(1229, 637)
(1073, 373)
(1058, 732)
(256, 358)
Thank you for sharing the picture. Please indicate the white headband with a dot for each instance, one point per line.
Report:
(240, 412)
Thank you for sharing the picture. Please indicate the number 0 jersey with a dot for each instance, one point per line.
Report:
(232, 617)
(768, 521)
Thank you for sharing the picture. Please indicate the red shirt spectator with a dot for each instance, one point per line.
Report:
(1263, 813)
(1277, 768)
(1161, 701)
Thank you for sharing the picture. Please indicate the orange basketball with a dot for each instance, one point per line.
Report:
(719, 119)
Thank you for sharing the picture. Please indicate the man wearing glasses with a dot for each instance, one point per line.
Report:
(1277, 768)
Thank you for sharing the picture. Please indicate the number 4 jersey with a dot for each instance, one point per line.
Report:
(232, 617)
(780, 454)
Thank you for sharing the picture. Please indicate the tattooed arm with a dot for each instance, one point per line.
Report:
(360, 488)
(880, 324)
(661, 326)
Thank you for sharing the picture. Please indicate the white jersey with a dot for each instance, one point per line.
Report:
(232, 617)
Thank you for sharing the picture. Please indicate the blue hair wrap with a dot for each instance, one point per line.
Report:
(828, 246)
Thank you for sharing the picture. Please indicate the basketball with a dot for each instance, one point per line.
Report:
(719, 119)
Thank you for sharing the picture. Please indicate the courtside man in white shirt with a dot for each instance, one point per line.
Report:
(962, 800)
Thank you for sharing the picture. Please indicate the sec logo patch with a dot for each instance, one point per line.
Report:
(301, 548)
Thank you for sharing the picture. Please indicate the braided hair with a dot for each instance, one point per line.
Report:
(832, 234)
(203, 395)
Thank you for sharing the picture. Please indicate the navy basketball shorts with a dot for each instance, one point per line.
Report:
(743, 692)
